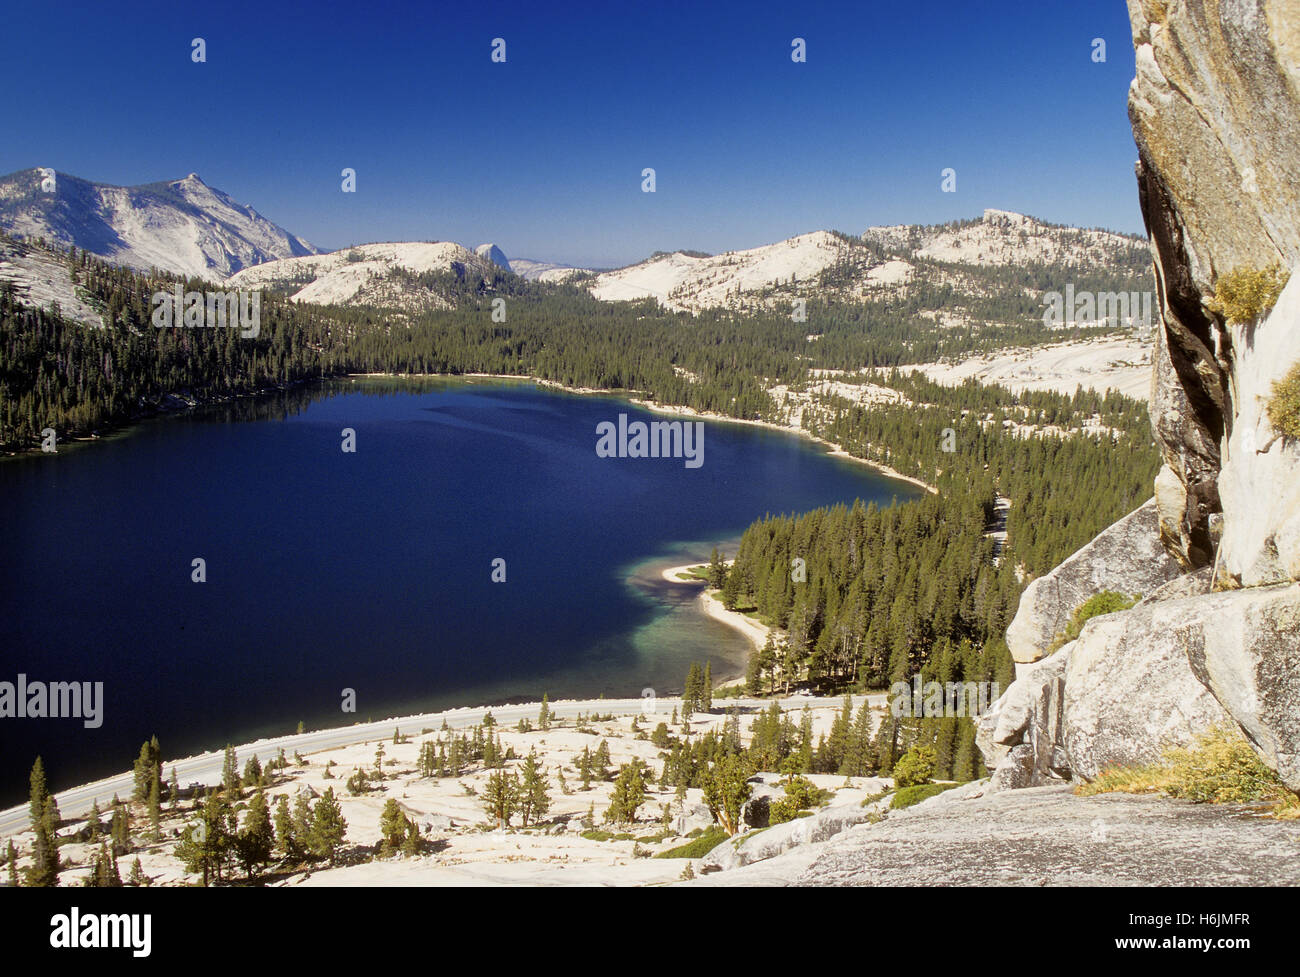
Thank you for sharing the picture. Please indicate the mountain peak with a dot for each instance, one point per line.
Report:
(493, 254)
(183, 226)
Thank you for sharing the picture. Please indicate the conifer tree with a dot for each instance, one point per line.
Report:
(11, 856)
(726, 789)
(39, 792)
(256, 841)
(393, 828)
(501, 797)
(230, 774)
(534, 796)
(286, 840)
(544, 716)
(328, 828)
(706, 688)
(628, 794)
(137, 877)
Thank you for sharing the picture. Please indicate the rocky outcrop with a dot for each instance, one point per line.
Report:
(819, 827)
(1021, 734)
(1259, 484)
(1248, 655)
(1215, 109)
(1126, 558)
(1129, 690)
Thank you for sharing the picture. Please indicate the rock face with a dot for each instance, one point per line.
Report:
(1126, 558)
(1248, 655)
(1021, 734)
(1215, 109)
(492, 253)
(1129, 690)
(1258, 484)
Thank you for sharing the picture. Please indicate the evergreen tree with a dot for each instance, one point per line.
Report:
(256, 841)
(230, 782)
(393, 828)
(501, 797)
(628, 794)
(328, 827)
(137, 877)
(544, 716)
(726, 789)
(534, 795)
(39, 792)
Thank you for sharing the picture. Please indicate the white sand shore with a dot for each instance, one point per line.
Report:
(836, 451)
(756, 632)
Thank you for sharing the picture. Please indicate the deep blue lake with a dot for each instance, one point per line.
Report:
(369, 570)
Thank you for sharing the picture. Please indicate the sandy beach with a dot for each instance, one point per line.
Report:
(836, 451)
(756, 632)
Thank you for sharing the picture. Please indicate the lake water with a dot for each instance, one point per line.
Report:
(369, 570)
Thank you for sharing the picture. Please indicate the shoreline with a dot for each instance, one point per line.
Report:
(711, 606)
(836, 450)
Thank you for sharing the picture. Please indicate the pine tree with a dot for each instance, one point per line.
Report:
(501, 797)
(691, 694)
(328, 828)
(706, 688)
(230, 774)
(257, 839)
(726, 788)
(137, 877)
(12, 858)
(252, 773)
(155, 805)
(286, 840)
(393, 828)
(119, 828)
(44, 870)
(544, 716)
(39, 792)
(174, 789)
(628, 794)
(534, 796)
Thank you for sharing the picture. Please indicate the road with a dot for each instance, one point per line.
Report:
(206, 767)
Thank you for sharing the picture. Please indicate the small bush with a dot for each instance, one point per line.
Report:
(1220, 768)
(914, 767)
(1284, 406)
(1244, 294)
(915, 795)
(701, 846)
(1107, 602)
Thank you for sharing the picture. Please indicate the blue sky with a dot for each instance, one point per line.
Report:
(543, 154)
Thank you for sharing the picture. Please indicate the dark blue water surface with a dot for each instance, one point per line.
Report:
(369, 571)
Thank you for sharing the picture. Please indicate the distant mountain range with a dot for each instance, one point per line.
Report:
(186, 227)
